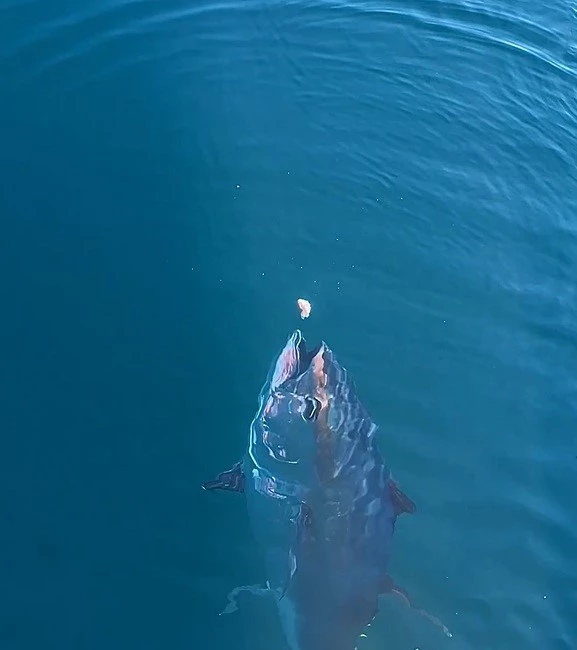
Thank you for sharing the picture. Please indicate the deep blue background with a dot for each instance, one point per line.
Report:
(173, 177)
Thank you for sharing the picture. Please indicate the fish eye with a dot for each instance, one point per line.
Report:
(312, 408)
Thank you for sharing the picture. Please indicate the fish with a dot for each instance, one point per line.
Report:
(321, 500)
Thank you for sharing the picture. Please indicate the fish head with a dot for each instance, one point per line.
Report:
(288, 402)
(309, 413)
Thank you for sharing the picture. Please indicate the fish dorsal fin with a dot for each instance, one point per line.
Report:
(401, 502)
(232, 480)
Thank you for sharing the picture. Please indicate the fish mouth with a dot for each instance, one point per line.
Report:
(294, 360)
(304, 355)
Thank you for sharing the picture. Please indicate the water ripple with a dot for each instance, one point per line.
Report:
(78, 34)
(473, 22)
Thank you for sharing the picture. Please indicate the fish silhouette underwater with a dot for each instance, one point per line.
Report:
(321, 501)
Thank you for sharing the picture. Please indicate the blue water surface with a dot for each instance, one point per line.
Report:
(174, 176)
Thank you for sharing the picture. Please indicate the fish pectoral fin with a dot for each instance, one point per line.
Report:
(232, 480)
(291, 571)
(255, 590)
(389, 586)
(401, 502)
(303, 523)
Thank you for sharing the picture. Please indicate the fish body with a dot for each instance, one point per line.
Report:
(321, 500)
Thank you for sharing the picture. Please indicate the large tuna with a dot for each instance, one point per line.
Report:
(321, 500)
